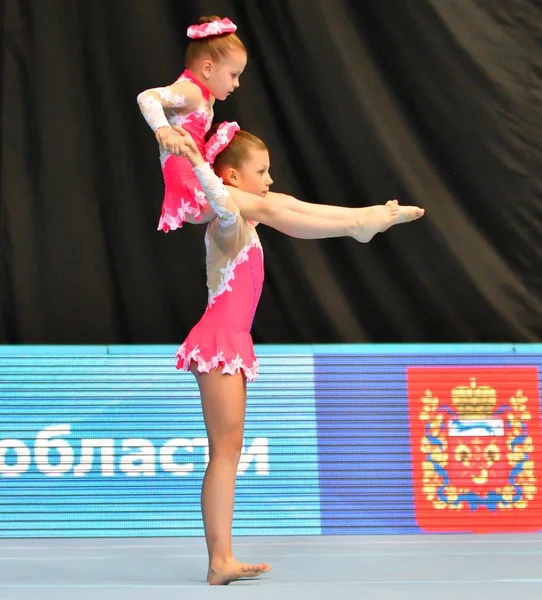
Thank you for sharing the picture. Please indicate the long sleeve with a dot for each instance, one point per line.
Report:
(217, 195)
(183, 95)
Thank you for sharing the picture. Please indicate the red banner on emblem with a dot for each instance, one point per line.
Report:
(476, 448)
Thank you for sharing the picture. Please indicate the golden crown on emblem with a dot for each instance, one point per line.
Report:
(473, 402)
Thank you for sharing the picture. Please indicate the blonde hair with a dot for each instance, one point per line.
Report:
(215, 47)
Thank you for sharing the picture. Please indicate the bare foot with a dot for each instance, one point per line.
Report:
(376, 219)
(409, 213)
(232, 570)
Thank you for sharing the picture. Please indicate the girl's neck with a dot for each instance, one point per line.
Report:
(197, 81)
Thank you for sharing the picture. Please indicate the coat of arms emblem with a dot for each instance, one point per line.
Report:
(476, 448)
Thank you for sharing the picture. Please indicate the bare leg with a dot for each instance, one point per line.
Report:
(328, 211)
(362, 226)
(223, 400)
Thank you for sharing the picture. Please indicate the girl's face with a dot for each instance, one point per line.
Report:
(253, 175)
(222, 78)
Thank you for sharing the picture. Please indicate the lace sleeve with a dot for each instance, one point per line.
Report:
(182, 95)
(217, 195)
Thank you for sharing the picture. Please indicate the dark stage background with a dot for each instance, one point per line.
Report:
(436, 102)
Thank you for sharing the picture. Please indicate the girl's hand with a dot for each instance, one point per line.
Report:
(169, 140)
(161, 134)
(188, 147)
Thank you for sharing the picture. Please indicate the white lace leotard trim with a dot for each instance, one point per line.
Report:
(228, 271)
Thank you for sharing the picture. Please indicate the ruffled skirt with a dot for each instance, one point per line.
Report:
(183, 197)
(211, 348)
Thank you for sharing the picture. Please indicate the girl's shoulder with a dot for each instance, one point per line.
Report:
(190, 93)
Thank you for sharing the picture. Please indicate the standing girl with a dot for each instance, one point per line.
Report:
(219, 349)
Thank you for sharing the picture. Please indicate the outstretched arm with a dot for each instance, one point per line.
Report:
(256, 208)
(291, 222)
(325, 211)
(315, 221)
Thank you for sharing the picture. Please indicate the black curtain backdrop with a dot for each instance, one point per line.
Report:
(436, 102)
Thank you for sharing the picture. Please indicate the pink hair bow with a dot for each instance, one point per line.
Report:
(213, 28)
(220, 140)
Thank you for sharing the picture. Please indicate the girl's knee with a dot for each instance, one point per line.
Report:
(229, 447)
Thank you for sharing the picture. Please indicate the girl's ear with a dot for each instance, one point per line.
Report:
(231, 177)
(207, 68)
